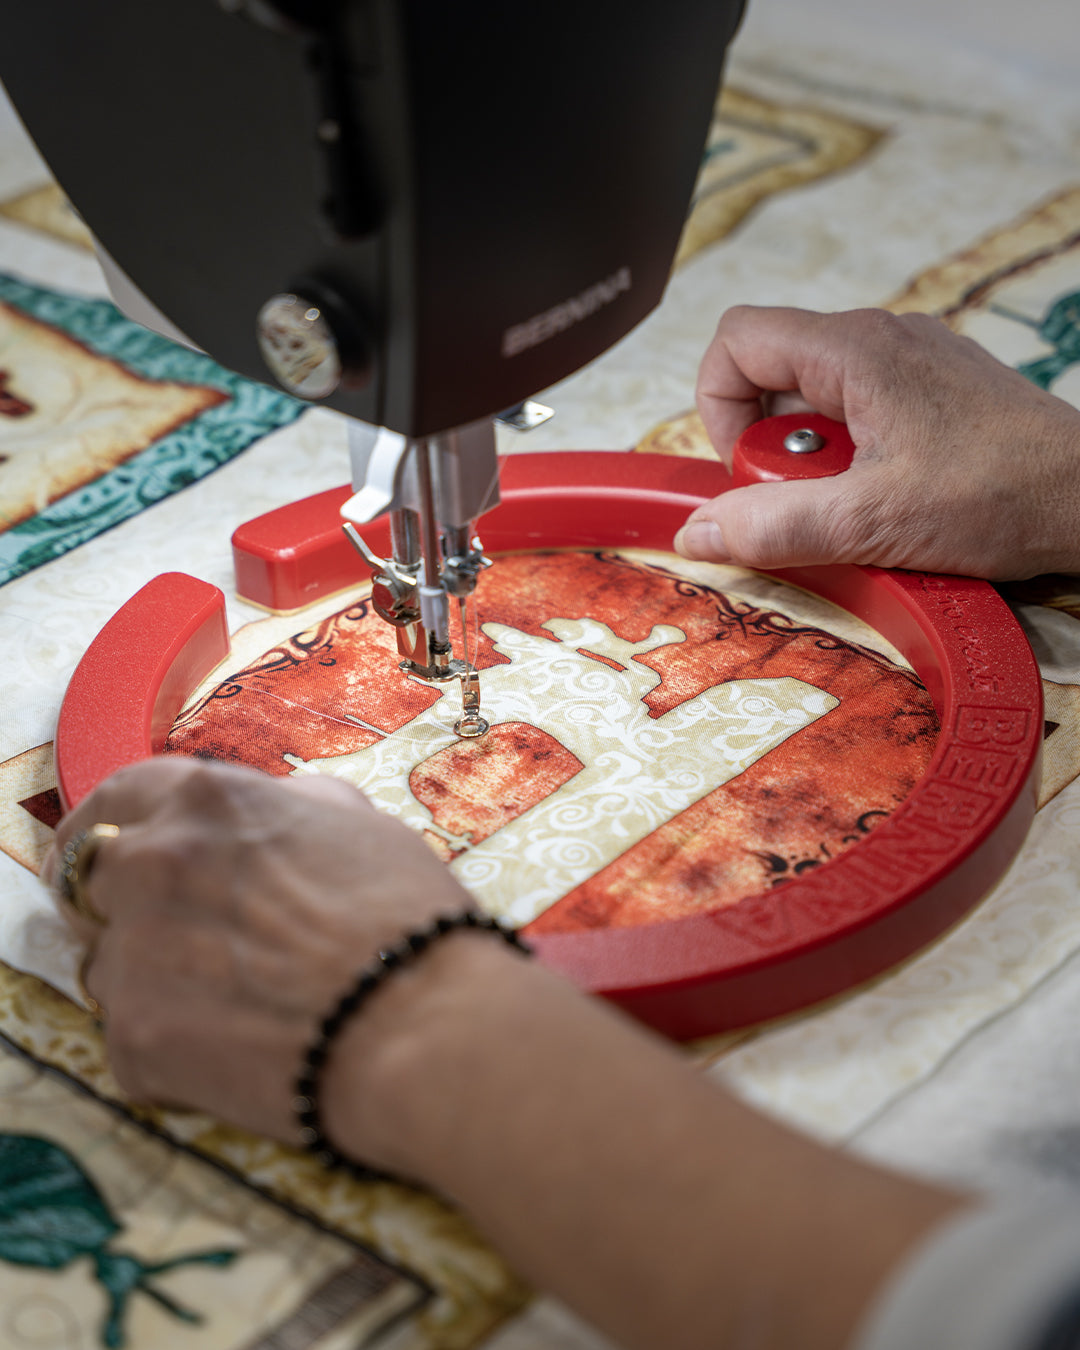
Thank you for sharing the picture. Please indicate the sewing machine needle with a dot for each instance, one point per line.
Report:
(470, 724)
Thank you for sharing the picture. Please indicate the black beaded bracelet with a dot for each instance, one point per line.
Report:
(306, 1101)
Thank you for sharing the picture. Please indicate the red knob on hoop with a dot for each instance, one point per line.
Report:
(796, 445)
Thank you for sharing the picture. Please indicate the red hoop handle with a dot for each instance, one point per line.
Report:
(796, 445)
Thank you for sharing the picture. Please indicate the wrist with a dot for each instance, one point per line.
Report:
(394, 1073)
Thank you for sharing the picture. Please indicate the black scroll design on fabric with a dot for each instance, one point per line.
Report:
(317, 642)
(779, 870)
(744, 618)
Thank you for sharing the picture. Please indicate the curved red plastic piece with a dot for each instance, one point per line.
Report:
(135, 677)
(760, 455)
(293, 556)
(821, 933)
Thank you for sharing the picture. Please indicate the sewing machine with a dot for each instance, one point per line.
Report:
(413, 212)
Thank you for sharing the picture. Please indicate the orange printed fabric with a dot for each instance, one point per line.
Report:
(657, 748)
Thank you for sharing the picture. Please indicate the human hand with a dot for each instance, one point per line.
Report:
(961, 465)
(238, 908)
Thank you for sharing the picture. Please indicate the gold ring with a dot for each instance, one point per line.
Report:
(76, 861)
(96, 1011)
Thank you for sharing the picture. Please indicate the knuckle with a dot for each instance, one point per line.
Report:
(919, 325)
(133, 780)
(736, 322)
(878, 338)
(758, 535)
(875, 353)
(109, 799)
(209, 789)
(145, 863)
(880, 323)
(736, 314)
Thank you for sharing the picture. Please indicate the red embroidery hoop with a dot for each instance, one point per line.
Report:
(819, 934)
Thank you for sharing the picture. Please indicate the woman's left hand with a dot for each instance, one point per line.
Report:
(236, 909)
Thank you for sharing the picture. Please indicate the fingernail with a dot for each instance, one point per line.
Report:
(701, 539)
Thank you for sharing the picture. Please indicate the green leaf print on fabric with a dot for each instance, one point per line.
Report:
(51, 1214)
(1060, 327)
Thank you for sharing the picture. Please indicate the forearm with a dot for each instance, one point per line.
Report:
(607, 1169)
(237, 907)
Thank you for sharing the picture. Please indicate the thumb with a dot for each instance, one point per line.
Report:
(787, 524)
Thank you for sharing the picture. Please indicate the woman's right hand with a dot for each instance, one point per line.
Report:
(961, 465)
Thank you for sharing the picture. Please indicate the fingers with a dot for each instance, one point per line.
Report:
(757, 352)
(187, 822)
(831, 363)
(946, 439)
(129, 799)
(130, 795)
(233, 902)
(127, 796)
(173, 815)
(864, 367)
(791, 524)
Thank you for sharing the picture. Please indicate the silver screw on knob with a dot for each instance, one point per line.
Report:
(804, 441)
(299, 346)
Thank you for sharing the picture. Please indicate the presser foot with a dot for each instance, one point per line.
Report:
(398, 598)
(470, 725)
